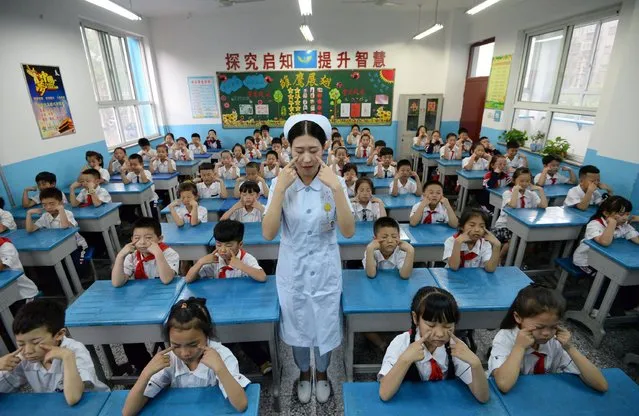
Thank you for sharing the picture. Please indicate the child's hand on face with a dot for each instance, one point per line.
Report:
(459, 349)
(463, 238)
(490, 237)
(592, 187)
(404, 246)
(374, 244)
(10, 361)
(604, 186)
(415, 351)
(212, 359)
(75, 185)
(128, 249)
(55, 353)
(516, 189)
(154, 249)
(159, 362)
(445, 201)
(564, 337)
(211, 258)
(413, 174)
(525, 337)
(31, 188)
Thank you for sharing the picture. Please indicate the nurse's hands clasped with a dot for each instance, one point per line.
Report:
(327, 176)
(287, 176)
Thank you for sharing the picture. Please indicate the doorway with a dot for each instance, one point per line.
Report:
(480, 60)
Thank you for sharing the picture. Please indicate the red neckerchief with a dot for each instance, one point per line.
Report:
(429, 217)
(140, 274)
(553, 181)
(540, 365)
(522, 203)
(364, 153)
(466, 255)
(227, 268)
(4, 240)
(88, 202)
(436, 373)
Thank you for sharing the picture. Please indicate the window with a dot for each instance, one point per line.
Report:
(481, 58)
(121, 85)
(561, 80)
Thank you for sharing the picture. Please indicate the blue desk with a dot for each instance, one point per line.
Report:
(399, 206)
(379, 304)
(188, 167)
(353, 248)
(9, 294)
(428, 160)
(554, 193)
(48, 247)
(469, 180)
(213, 207)
(47, 404)
(414, 156)
(191, 243)
(243, 310)
(188, 401)
(133, 194)
(381, 185)
(365, 170)
(428, 240)
(566, 394)
(255, 244)
(359, 161)
(448, 397)
(619, 262)
(167, 182)
(448, 168)
(536, 225)
(483, 297)
(203, 157)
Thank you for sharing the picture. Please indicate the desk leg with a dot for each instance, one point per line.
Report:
(511, 250)
(583, 315)
(172, 194)
(99, 371)
(275, 357)
(568, 248)
(460, 200)
(606, 303)
(74, 275)
(348, 352)
(64, 282)
(143, 209)
(7, 320)
(115, 238)
(521, 250)
(109, 245)
(442, 177)
(496, 213)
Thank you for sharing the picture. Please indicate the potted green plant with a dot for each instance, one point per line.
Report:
(536, 141)
(558, 147)
(514, 134)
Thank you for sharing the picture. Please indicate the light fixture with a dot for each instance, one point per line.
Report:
(481, 6)
(306, 32)
(306, 9)
(436, 27)
(115, 8)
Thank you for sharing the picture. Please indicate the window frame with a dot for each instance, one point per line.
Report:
(469, 67)
(551, 108)
(111, 74)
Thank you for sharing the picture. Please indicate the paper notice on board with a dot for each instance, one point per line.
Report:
(261, 109)
(345, 110)
(366, 110)
(355, 110)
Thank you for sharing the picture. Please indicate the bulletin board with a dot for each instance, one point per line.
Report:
(250, 99)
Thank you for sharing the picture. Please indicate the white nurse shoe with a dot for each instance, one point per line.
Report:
(304, 391)
(322, 389)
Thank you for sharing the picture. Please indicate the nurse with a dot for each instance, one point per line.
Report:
(311, 203)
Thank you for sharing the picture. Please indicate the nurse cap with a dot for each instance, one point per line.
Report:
(318, 119)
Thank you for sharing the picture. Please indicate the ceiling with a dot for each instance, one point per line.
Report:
(163, 8)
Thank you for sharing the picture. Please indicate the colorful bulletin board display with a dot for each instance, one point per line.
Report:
(49, 100)
(203, 97)
(498, 82)
(249, 99)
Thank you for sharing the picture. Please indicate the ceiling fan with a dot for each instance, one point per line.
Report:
(228, 3)
(374, 2)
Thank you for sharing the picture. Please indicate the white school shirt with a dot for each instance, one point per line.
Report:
(351, 190)
(100, 193)
(183, 154)
(151, 267)
(221, 270)
(366, 151)
(594, 229)
(210, 191)
(240, 163)
(177, 374)
(531, 200)
(228, 173)
(454, 152)
(46, 220)
(135, 178)
(409, 188)
(163, 167)
(36, 198)
(198, 150)
(401, 343)
(270, 173)
(146, 156)
(557, 359)
(386, 173)
(104, 174)
(6, 219)
(482, 248)
(559, 179)
(576, 194)
(182, 212)
(242, 215)
(372, 211)
(42, 380)
(116, 165)
(480, 164)
(516, 163)
(439, 214)
(9, 257)
(395, 261)
(253, 154)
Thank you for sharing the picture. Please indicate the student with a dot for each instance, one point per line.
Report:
(186, 209)
(282, 155)
(182, 151)
(119, 163)
(7, 221)
(531, 341)
(373, 159)
(270, 168)
(209, 185)
(478, 160)
(193, 359)
(248, 208)
(522, 195)
(330, 159)
(514, 158)
(550, 175)
(239, 155)
(387, 251)
(161, 163)
(228, 259)
(353, 136)
(341, 159)
(286, 147)
(253, 175)
(138, 174)
(335, 138)
(385, 168)
(588, 192)
(421, 139)
(402, 183)
(257, 138)
(430, 351)
(196, 145)
(451, 151)
(226, 169)
(96, 161)
(497, 175)
(466, 143)
(146, 151)
(366, 130)
(349, 173)
(366, 207)
(434, 208)
(435, 143)
(10, 260)
(473, 245)
(92, 194)
(488, 147)
(266, 134)
(212, 142)
(43, 180)
(251, 151)
(46, 359)
(364, 148)
(169, 141)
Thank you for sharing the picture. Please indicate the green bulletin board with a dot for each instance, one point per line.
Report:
(249, 99)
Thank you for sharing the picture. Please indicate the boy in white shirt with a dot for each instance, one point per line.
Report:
(226, 168)
(349, 173)
(96, 161)
(465, 142)
(209, 185)
(402, 184)
(9, 259)
(589, 191)
(182, 151)
(271, 167)
(283, 156)
(161, 163)
(550, 175)
(373, 158)
(364, 148)
(385, 168)
(479, 160)
(118, 161)
(137, 174)
(451, 150)
(46, 359)
(146, 151)
(6, 219)
(186, 209)
(341, 158)
(253, 175)
(434, 208)
(248, 208)
(514, 159)
(252, 152)
(387, 251)
(196, 145)
(229, 259)
(266, 134)
(43, 180)
(92, 194)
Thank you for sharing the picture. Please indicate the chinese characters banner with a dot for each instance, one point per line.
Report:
(498, 82)
(203, 97)
(49, 100)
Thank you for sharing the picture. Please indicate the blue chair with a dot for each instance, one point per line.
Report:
(567, 269)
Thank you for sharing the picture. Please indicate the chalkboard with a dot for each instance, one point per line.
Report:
(250, 99)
